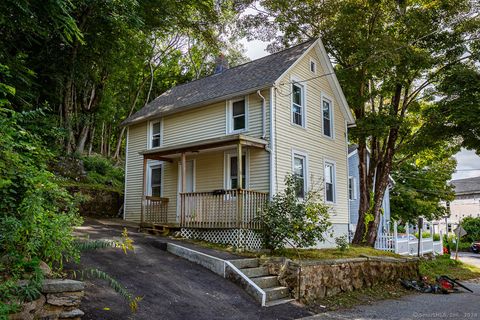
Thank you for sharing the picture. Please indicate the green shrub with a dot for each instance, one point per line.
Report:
(300, 222)
(426, 234)
(472, 226)
(342, 243)
(102, 171)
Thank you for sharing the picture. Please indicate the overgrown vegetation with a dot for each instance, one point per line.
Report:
(444, 265)
(290, 220)
(472, 227)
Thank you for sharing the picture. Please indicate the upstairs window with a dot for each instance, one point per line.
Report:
(234, 172)
(155, 134)
(329, 182)
(313, 66)
(300, 172)
(237, 116)
(352, 188)
(327, 117)
(298, 104)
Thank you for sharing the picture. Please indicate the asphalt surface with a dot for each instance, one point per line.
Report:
(171, 287)
(470, 258)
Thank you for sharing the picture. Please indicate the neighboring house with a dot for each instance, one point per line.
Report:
(465, 204)
(182, 164)
(353, 191)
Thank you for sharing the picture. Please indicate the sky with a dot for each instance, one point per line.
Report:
(467, 160)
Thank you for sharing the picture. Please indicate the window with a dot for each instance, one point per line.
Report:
(156, 181)
(234, 172)
(298, 105)
(299, 172)
(155, 134)
(329, 182)
(313, 66)
(238, 116)
(352, 188)
(327, 117)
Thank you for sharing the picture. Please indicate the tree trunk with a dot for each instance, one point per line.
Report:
(82, 139)
(92, 137)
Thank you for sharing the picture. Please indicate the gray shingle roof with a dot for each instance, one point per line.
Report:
(352, 148)
(469, 185)
(242, 79)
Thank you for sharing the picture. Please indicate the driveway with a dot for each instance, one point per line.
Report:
(416, 306)
(171, 287)
(470, 258)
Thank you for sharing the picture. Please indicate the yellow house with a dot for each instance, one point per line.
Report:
(284, 113)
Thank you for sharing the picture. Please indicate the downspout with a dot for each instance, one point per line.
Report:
(264, 115)
(271, 148)
(348, 181)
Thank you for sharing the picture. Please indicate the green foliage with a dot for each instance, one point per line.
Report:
(472, 226)
(300, 222)
(342, 243)
(444, 265)
(103, 171)
(426, 234)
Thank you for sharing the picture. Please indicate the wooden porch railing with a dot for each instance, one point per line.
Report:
(224, 209)
(154, 210)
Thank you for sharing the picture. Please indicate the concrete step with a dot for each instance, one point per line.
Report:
(277, 302)
(266, 282)
(255, 272)
(245, 263)
(276, 293)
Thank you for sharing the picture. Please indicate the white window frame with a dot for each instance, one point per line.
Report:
(153, 164)
(334, 178)
(312, 61)
(150, 133)
(227, 184)
(332, 119)
(296, 81)
(304, 155)
(352, 183)
(230, 115)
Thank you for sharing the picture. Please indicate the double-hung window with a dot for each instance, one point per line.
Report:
(155, 134)
(156, 180)
(298, 104)
(300, 172)
(238, 116)
(234, 172)
(329, 182)
(352, 194)
(327, 117)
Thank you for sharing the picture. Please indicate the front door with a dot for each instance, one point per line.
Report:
(190, 182)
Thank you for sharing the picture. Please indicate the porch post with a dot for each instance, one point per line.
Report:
(239, 185)
(184, 187)
(144, 182)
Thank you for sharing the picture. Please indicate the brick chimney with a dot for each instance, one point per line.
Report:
(221, 64)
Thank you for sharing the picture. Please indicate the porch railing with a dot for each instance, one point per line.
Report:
(154, 210)
(222, 209)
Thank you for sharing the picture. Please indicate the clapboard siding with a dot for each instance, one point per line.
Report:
(310, 140)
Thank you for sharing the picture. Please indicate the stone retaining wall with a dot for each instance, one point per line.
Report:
(312, 280)
(59, 300)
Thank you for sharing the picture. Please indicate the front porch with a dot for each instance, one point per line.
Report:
(196, 195)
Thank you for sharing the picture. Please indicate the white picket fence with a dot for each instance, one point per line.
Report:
(407, 245)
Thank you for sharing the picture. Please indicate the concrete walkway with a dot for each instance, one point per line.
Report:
(171, 287)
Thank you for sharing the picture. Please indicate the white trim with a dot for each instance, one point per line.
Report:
(179, 183)
(229, 127)
(226, 168)
(272, 143)
(334, 173)
(303, 86)
(324, 96)
(315, 66)
(152, 164)
(126, 175)
(150, 133)
(333, 81)
(296, 152)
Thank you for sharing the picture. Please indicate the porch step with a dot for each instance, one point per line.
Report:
(255, 272)
(277, 302)
(266, 282)
(276, 293)
(245, 263)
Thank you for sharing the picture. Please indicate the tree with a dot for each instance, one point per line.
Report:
(387, 53)
(472, 226)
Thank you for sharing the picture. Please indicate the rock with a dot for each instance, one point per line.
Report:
(45, 269)
(65, 299)
(60, 285)
(29, 310)
(75, 313)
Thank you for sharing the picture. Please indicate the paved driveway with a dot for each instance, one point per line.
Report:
(172, 288)
(470, 258)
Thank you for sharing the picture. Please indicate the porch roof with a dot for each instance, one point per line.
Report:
(161, 153)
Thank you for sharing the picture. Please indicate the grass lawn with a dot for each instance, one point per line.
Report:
(302, 254)
(443, 265)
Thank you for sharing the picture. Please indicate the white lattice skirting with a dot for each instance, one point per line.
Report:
(240, 238)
